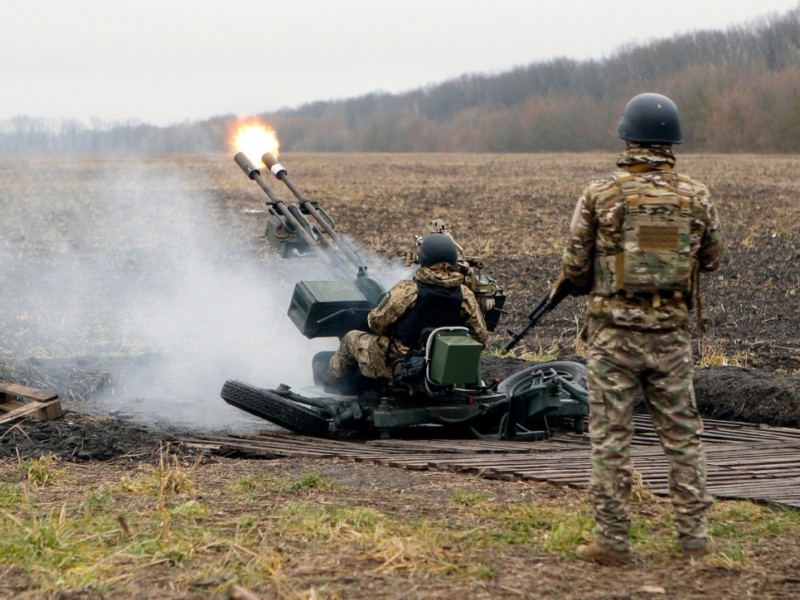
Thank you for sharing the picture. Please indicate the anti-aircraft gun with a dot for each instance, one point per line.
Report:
(447, 390)
(302, 229)
(332, 308)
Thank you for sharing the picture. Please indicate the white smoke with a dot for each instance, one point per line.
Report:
(140, 276)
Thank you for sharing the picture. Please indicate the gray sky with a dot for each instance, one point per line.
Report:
(168, 61)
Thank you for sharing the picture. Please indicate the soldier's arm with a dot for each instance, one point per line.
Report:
(393, 306)
(709, 255)
(475, 321)
(576, 263)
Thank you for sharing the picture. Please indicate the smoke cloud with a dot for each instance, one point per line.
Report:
(138, 283)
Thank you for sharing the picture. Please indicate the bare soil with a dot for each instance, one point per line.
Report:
(513, 211)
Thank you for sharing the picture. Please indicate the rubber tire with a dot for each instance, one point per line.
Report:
(575, 371)
(274, 408)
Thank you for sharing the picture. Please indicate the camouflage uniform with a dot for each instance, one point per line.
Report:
(640, 339)
(373, 353)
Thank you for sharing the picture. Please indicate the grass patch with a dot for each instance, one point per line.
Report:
(167, 527)
(713, 356)
(386, 542)
(40, 471)
(543, 528)
(323, 522)
(169, 476)
(313, 481)
(542, 353)
(11, 496)
(246, 485)
(747, 522)
(468, 498)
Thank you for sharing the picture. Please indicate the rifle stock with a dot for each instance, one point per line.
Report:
(546, 303)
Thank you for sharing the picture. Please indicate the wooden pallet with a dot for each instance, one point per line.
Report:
(744, 461)
(21, 401)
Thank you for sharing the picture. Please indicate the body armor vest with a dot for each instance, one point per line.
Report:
(435, 306)
(655, 235)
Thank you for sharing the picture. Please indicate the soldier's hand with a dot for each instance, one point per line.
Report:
(564, 287)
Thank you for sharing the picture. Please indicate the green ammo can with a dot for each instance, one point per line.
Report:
(455, 358)
(328, 308)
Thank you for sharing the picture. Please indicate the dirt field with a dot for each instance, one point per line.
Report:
(118, 226)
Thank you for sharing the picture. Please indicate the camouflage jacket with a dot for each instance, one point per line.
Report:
(402, 296)
(596, 230)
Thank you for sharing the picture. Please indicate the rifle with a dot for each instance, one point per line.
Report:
(546, 303)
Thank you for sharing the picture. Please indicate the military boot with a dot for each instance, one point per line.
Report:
(323, 374)
(602, 555)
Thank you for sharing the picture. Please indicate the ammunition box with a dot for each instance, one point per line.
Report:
(455, 359)
(328, 308)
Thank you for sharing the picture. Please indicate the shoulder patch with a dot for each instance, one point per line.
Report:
(601, 185)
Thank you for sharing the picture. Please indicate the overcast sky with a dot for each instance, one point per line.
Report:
(169, 61)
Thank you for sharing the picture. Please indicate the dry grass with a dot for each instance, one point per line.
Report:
(715, 356)
(311, 530)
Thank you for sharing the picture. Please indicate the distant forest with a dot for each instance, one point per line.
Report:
(737, 91)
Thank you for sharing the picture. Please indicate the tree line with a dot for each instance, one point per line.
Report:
(737, 91)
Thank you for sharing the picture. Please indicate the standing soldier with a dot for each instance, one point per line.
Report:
(638, 240)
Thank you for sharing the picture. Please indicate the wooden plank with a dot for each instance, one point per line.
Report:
(40, 410)
(745, 460)
(20, 400)
(453, 446)
(9, 389)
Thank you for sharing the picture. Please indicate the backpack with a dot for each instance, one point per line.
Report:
(656, 254)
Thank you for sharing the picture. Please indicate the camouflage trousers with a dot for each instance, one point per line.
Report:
(364, 351)
(620, 361)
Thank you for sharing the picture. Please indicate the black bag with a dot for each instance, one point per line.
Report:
(411, 368)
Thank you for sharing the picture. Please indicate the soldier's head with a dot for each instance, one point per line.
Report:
(650, 119)
(437, 248)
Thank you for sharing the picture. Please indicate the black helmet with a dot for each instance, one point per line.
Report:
(650, 119)
(436, 248)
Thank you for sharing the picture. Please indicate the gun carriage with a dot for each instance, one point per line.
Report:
(438, 384)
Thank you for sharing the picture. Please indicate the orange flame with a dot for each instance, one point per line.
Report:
(254, 138)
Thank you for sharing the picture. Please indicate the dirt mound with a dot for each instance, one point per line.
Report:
(751, 395)
(730, 393)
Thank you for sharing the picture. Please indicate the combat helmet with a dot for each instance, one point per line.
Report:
(436, 248)
(650, 119)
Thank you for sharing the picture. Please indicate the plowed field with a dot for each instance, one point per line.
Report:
(133, 287)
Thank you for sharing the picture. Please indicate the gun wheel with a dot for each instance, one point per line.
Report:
(571, 371)
(274, 408)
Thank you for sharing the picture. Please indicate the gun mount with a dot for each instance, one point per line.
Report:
(303, 229)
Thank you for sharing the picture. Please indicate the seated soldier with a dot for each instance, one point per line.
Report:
(435, 297)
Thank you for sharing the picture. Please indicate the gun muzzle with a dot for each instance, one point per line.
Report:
(273, 165)
(246, 166)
